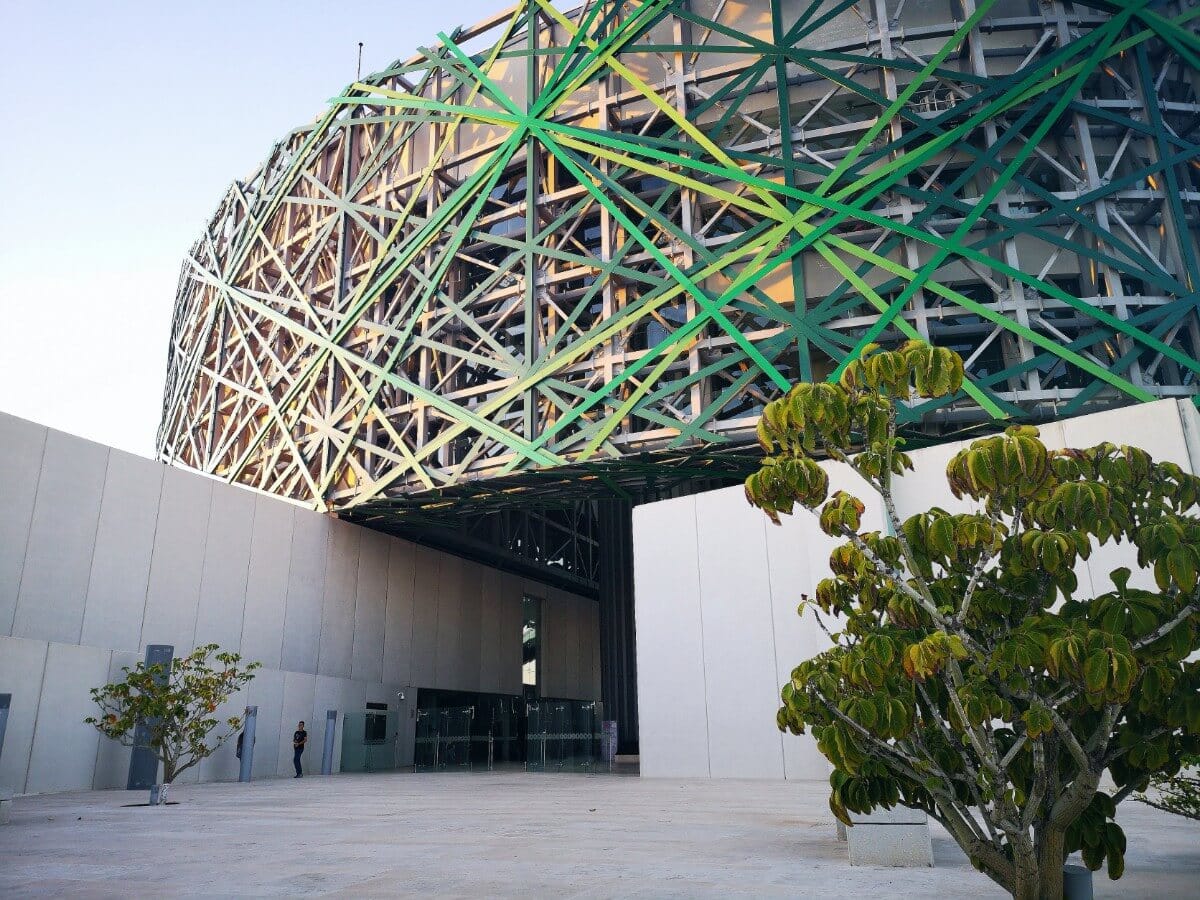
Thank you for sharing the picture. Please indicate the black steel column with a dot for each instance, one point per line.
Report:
(618, 652)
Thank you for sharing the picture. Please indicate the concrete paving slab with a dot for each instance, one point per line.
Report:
(500, 835)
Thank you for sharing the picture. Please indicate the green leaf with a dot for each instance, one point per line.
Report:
(1181, 563)
(1095, 672)
(1037, 721)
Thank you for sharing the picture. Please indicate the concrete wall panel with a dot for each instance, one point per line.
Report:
(492, 624)
(299, 696)
(398, 616)
(64, 746)
(556, 642)
(796, 638)
(446, 671)
(425, 615)
(470, 637)
(739, 638)
(266, 692)
(583, 652)
(305, 591)
(333, 693)
(173, 593)
(22, 665)
(1155, 427)
(120, 571)
(224, 764)
(226, 567)
(337, 611)
(565, 657)
(370, 607)
(62, 537)
(112, 757)
(508, 635)
(672, 710)
(263, 620)
(20, 469)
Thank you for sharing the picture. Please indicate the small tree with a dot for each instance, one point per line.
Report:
(177, 704)
(973, 677)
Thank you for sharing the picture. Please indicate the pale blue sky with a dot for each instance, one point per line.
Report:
(121, 125)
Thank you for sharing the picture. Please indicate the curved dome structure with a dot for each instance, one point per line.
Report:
(559, 248)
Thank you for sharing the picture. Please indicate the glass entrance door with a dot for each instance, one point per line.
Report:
(455, 738)
(564, 735)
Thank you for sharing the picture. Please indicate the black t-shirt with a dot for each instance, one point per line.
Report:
(299, 738)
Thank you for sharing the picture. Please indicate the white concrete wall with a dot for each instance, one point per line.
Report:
(103, 552)
(717, 586)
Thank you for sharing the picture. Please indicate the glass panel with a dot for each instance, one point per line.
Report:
(493, 732)
(462, 731)
(535, 737)
(507, 746)
(564, 736)
(369, 741)
(454, 742)
(425, 748)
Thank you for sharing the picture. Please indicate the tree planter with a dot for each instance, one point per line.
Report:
(158, 794)
(1077, 882)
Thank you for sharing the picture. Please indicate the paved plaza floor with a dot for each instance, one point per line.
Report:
(500, 835)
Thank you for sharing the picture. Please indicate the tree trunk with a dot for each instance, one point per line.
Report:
(1050, 861)
(1026, 884)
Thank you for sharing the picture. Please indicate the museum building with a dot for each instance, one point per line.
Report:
(463, 378)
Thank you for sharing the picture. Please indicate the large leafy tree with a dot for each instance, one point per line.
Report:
(971, 674)
(177, 703)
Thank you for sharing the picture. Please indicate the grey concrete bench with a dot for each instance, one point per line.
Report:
(889, 837)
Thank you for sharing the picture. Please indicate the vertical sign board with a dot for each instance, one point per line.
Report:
(143, 762)
(327, 752)
(608, 740)
(249, 723)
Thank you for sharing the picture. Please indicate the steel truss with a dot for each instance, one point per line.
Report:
(562, 252)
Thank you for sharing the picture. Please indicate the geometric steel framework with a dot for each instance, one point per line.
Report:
(561, 252)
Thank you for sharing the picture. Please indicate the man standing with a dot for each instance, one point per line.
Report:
(299, 739)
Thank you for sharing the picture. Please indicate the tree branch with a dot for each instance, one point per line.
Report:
(973, 781)
(1020, 742)
(895, 576)
(1109, 758)
(972, 586)
(1061, 727)
(988, 854)
(952, 676)
(1098, 742)
(911, 765)
(1072, 801)
(1034, 802)
(1167, 627)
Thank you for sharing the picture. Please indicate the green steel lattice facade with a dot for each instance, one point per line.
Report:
(559, 251)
